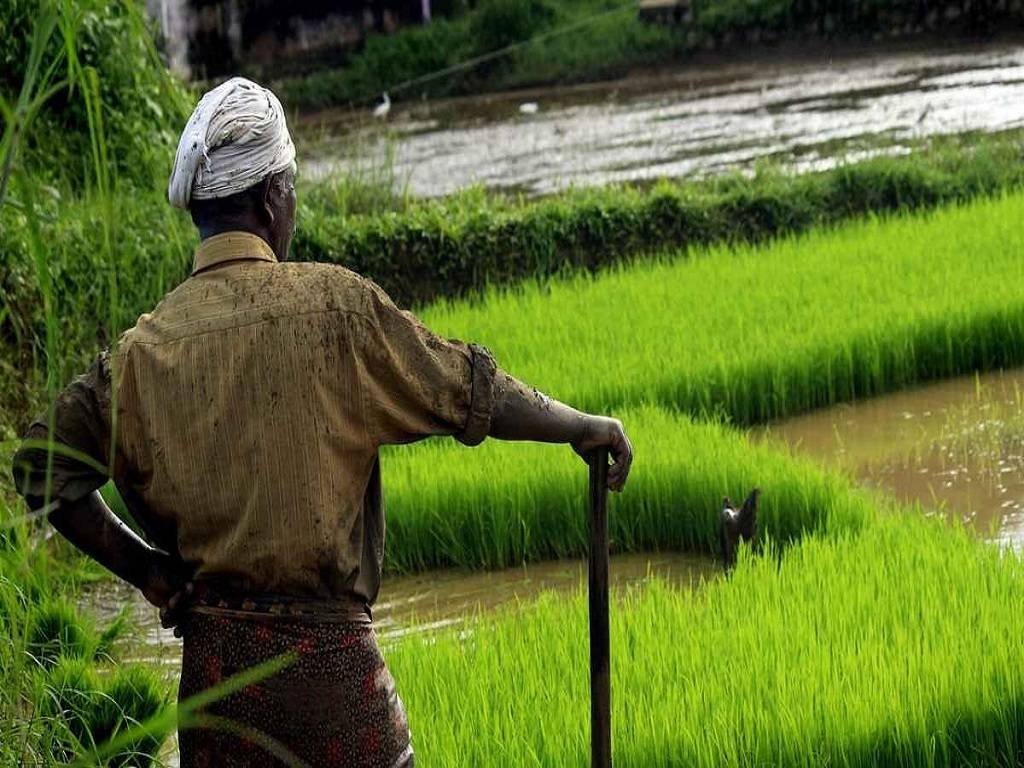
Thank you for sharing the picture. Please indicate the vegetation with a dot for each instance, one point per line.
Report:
(62, 694)
(95, 66)
(486, 507)
(893, 646)
(497, 44)
(79, 88)
(756, 333)
(460, 245)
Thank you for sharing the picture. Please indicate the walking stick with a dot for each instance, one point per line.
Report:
(600, 682)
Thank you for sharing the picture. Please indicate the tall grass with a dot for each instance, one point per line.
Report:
(501, 504)
(58, 702)
(895, 646)
(759, 333)
(61, 692)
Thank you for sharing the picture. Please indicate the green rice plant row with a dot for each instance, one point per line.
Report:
(756, 333)
(502, 504)
(898, 645)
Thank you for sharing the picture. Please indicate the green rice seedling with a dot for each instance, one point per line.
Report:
(760, 333)
(487, 507)
(897, 645)
(96, 709)
(58, 631)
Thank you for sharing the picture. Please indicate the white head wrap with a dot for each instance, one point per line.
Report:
(235, 137)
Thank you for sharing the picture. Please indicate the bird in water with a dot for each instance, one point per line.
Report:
(529, 107)
(382, 109)
(736, 525)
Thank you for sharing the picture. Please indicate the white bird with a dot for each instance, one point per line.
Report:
(529, 108)
(382, 109)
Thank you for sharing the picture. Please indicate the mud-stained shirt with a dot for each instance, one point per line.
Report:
(249, 406)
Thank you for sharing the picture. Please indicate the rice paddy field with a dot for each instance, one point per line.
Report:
(862, 634)
(898, 645)
(740, 334)
(755, 333)
(859, 633)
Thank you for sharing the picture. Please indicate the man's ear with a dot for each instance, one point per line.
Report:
(267, 202)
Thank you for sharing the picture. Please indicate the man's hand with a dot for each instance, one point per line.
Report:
(600, 431)
(168, 588)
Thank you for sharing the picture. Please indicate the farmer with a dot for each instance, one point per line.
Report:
(241, 421)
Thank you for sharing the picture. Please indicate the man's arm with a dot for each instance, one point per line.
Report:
(420, 384)
(92, 527)
(62, 465)
(524, 413)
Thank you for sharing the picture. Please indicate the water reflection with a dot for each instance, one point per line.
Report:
(956, 447)
(419, 603)
(693, 122)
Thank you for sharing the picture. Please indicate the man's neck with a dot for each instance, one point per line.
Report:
(227, 225)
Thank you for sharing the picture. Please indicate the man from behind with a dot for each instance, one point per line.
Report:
(241, 421)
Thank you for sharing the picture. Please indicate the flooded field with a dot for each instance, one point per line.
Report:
(423, 602)
(957, 447)
(694, 122)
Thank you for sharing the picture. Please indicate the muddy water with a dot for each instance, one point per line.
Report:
(696, 121)
(420, 603)
(957, 447)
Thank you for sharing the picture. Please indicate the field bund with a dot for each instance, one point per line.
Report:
(866, 636)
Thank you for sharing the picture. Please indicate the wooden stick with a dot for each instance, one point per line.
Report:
(600, 682)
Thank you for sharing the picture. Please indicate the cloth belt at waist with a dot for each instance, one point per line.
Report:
(217, 600)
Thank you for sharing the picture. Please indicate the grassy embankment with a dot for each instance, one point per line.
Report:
(563, 41)
(131, 242)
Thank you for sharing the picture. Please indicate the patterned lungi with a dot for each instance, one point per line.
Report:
(334, 705)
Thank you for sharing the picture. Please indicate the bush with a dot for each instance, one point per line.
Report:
(142, 105)
(450, 248)
(499, 23)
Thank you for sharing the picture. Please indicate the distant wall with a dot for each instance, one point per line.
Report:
(210, 38)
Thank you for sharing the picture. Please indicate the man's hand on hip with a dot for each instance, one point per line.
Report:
(168, 588)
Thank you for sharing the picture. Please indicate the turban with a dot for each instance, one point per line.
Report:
(236, 137)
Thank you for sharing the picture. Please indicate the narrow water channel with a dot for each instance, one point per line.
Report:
(419, 603)
(956, 447)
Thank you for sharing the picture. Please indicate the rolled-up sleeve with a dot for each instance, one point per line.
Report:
(416, 384)
(79, 441)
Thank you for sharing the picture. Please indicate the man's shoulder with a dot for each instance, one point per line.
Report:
(321, 286)
(288, 288)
